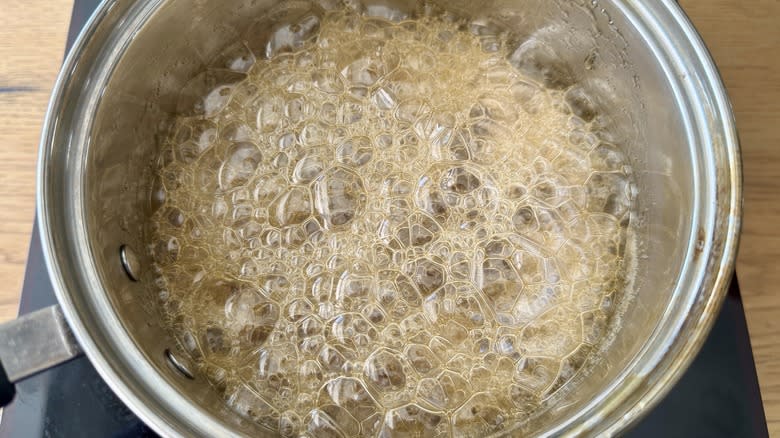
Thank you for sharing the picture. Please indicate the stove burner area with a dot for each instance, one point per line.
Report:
(719, 396)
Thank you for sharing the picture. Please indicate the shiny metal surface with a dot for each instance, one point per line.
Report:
(130, 262)
(180, 365)
(118, 90)
(35, 342)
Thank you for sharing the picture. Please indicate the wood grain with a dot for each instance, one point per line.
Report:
(32, 40)
(743, 35)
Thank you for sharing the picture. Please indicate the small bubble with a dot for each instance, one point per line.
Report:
(385, 99)
(355, 152)
(422, 358)
(428, 275)
(236, 57)
(411, 420)
(292, 207)
(167, 250)
(307, 169)
(327, 81)
(385, 370)
(286, 37)
(340, 195)
(460, 180)
(289, 424)
(363, 72)
(208, 93)
(241, 163)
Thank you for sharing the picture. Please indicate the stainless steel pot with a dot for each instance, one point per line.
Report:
(118, 89)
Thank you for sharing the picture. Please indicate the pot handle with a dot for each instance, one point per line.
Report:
(32, 343)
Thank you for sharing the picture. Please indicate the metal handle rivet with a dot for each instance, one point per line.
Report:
(178, 365)
(130, 262)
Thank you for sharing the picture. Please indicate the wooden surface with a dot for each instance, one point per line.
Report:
(744, 38)
(743, 35)
(32, 40)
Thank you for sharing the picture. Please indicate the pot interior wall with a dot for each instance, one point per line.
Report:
(600, 50)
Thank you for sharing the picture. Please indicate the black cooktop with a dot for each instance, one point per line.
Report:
(718, 397)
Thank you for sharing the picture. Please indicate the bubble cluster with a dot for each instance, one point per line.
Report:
(376, 226)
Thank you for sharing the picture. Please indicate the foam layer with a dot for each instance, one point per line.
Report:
(378, 228)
